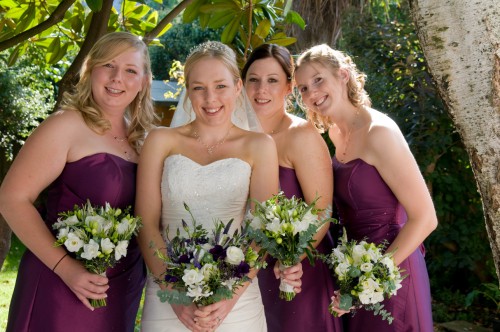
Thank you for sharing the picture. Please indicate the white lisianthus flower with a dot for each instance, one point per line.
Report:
(63, 232)
(107, 246)
(234, 255)
(90, 250)
(70, 221)
(338, 254)
(255, 221)
(342, 269)
(200, 252)
(389, 263)
(309, 218)
(366, 267)
(73, 243)
(229, 283)
(366, 296)
(192, 277)
(121, 249)
(358, 251)
(122, 227)
(299, 226)
(206, 246)
(207, 270)
(274, 226)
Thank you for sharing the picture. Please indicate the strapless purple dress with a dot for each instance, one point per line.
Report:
(369, 210)
(41, 301)
(308, 311)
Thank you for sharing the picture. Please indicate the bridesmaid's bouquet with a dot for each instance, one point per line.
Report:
(284, 228)
(205, 268)
(366, 276)
(98, 236)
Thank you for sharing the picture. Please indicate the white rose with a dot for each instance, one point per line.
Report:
(121, 249)
(192, 277)
(107, 246)
(73, 243)
(90, 250)
(366, 267)
(234, 255)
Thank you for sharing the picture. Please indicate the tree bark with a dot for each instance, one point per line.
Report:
(461, 43)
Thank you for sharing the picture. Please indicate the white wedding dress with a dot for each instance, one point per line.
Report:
(215, 191)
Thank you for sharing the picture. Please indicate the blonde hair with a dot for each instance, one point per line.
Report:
(335, 60)
(140, 114)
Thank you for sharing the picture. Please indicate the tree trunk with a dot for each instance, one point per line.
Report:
(461, 43)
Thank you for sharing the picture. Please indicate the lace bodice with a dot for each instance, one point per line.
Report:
(218, 190)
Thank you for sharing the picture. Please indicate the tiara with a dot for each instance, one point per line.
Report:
(209, 46)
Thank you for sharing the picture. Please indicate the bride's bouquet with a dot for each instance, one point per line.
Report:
(366, 276)
(98, 236)
(284, 228)
(205, 268)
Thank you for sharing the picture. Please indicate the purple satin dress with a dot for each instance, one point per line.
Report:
(308, 311)
(369, 210)
(41, 301)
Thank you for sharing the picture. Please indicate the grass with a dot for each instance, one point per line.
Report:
(8, 276)
(8, 279)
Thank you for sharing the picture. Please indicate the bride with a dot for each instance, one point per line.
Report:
(213, 165)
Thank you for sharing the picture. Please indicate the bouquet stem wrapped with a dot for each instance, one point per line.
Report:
(97, 236)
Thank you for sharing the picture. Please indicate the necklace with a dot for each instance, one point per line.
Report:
(211, 148)
(120, 141)
(348, 138)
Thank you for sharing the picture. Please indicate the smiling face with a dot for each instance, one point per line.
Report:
(213, 90)
(267, 86)
(321, 90)
(117, 82)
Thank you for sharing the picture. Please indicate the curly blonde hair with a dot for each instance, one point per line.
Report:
(334, 60)
(140, 114)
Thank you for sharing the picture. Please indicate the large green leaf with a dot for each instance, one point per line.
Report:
(230, 30)
(220, 19)
(192, 11)
(294, 17)
(218, 7)
(95, 5)
(53, 50)
(263, 28)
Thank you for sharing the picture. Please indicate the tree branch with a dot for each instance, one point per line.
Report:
(166, 20)
(54, 18)
(98, 27)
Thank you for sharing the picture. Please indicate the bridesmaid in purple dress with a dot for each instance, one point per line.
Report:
(87, 150)
(379, 191)
(306, 172)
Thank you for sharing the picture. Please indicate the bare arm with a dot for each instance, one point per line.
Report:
(313, 166)
(390, 154)
(39, 163)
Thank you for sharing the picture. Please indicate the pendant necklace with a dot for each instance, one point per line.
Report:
(120, 141)
(211, 148)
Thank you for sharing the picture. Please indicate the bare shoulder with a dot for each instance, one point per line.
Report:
(384, 136)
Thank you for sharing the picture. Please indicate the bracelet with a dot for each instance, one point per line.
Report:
(54, 268)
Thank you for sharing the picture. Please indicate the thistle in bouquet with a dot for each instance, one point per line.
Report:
(205, 267)
(284, 228)
(97, 235)
(365, 274)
